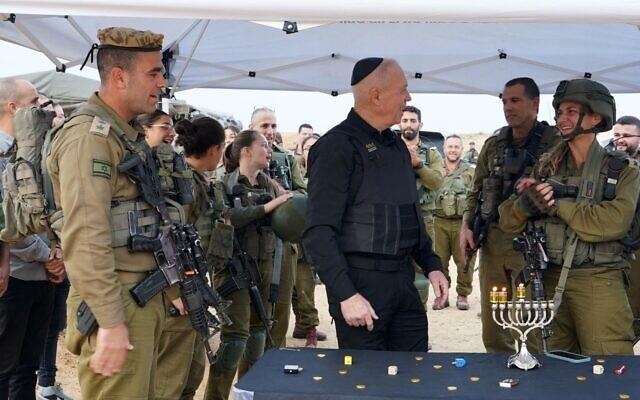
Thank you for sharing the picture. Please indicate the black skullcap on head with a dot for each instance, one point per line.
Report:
(363, 68)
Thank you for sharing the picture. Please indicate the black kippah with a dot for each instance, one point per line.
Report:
(363, 68)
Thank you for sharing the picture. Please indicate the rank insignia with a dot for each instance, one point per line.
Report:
(100, 126)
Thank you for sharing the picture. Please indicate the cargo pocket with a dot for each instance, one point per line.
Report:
(612, 313)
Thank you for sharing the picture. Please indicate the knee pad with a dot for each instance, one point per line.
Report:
(255, 346)
(229, 354)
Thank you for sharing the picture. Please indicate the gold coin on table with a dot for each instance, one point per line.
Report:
(361, 386)
(437, 366)
(624, 396)
(317, 378)
(342, 371)
(581, 378)
(320, 355)
(452, 388)
(474, 378)
(419, 358)
(415, 380)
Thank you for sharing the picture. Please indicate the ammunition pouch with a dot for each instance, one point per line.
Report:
(220, 244)
(452, 198)
(606, 254)
(175, 177)
(137, 217)
(491, 195)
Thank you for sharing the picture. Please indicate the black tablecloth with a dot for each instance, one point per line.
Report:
(556, 379)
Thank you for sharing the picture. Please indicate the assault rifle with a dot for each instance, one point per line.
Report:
(280, 173)
(178, 253)
(244, 274)
(531, 243)
(480, 230)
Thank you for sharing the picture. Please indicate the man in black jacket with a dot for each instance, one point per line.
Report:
(364, 222)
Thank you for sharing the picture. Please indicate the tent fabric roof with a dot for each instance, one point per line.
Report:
(66, 89)
(547, 11)
(451, 57)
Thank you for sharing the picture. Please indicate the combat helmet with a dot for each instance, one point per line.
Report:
(287, 220)
(592, 94)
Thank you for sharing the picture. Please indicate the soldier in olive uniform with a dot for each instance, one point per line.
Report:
(626, 137)
(202, 141)
(243, 342)
(303, 300)
(426, 161)
(428, 168)
(587, 258)
(289, 176)
(471, 156)
(451, 201)
(504, 158)
(118, 360)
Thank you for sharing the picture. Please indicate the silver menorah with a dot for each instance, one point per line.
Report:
(521, 316)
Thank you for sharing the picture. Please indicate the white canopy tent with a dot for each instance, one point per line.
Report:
(440, 51)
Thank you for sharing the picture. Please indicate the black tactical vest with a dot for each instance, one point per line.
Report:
(383, 214)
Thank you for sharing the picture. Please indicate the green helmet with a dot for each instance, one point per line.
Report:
(590, 93)
(287, 220)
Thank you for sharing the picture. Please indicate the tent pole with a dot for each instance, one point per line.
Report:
(176, 84)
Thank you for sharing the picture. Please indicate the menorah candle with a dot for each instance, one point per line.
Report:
(521, 292)
(493, 295)
(502, 296)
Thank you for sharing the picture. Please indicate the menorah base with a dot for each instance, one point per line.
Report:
(523, 359)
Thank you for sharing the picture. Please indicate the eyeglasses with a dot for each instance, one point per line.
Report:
(165, 127)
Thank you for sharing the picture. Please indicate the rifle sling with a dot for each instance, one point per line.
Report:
(277, 271)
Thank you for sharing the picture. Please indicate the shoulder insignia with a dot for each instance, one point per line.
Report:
(101, 168)
(100, 126)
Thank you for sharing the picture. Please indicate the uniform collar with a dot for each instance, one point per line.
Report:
(365, 131)
(124, 125)
(261, 179)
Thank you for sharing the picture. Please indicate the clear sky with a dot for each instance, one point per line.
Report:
(440, 112)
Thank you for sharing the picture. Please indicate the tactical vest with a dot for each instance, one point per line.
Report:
(216, 235)
(257, 238)
(24, 203)
(451, 200)
(383, 217)
(426, 196)
(127, 217)
(511, 163)
(175, 176)
(592, 190)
